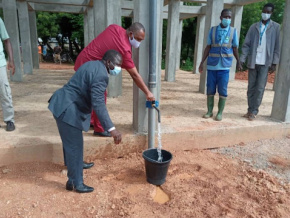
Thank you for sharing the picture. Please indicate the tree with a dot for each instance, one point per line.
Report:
(46, 25)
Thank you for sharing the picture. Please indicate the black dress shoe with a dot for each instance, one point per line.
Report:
(103, 134)
(10, 126)
(79, 188)
(87, 165)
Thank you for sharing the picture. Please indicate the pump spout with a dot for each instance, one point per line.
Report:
(158, 111)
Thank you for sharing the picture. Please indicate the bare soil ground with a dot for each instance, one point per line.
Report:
(200, 183)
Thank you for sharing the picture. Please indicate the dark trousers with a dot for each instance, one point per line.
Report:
(256, 86)
(73, 144)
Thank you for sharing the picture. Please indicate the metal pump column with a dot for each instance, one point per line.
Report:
(152, 69)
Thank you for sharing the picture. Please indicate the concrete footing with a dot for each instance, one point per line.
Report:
(36, 136)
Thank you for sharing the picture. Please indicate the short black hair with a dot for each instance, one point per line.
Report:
(136, 27)
(269, 5)
(225, 10)
(113, 56)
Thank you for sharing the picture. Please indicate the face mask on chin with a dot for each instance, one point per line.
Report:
(134, 42)
(266, 16)
(226, 22)
(115, 71)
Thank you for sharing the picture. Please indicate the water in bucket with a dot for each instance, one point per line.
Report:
(159, 143)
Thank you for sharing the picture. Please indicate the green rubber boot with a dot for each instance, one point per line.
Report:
(221, 106)
(210, 104)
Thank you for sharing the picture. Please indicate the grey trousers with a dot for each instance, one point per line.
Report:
(73, 145)
(5, 96)
(256, 86)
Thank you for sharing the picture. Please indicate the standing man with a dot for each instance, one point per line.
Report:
(222, 45)
(71, 107)
(44, 50)
(56, 54)
(40, 58)
(5, 90)
(117, 38)
(262, 49)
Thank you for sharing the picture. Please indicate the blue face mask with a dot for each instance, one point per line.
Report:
(226, 22)
(115, 71)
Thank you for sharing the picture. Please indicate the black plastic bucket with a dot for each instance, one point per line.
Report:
(156, 171)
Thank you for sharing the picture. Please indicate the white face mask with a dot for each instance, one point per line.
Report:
(266, 16)
(115, 71)
(134, 42)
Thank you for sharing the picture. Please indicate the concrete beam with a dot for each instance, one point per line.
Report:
(186, 12)
(62, 2)
(241, 2)
(227, 2)
(195, 1)
(58, 8)
(127, 13)
(192, 1)
(127, 4)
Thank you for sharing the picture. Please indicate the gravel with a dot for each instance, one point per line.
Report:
(272, 156)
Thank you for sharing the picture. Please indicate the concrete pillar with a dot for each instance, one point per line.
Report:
(159, 46)
(237, 14)
(281, 103)
(11, 24)
(113, 16)
(141, 60)
(277, 67)
(86, 29)
(171, 42)
(25, 37)
(33, 38)
(91, 24)
(113, 12)
(178, 48)
(99, 16)
(212, 18)
(199, 39)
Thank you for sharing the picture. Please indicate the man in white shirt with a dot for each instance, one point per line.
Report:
(5, 90)
(262, 49)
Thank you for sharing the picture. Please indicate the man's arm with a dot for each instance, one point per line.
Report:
(236, 54)
(246, 46)
(140, 83)
(9, 51)
(205, 55)
(98, 88)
